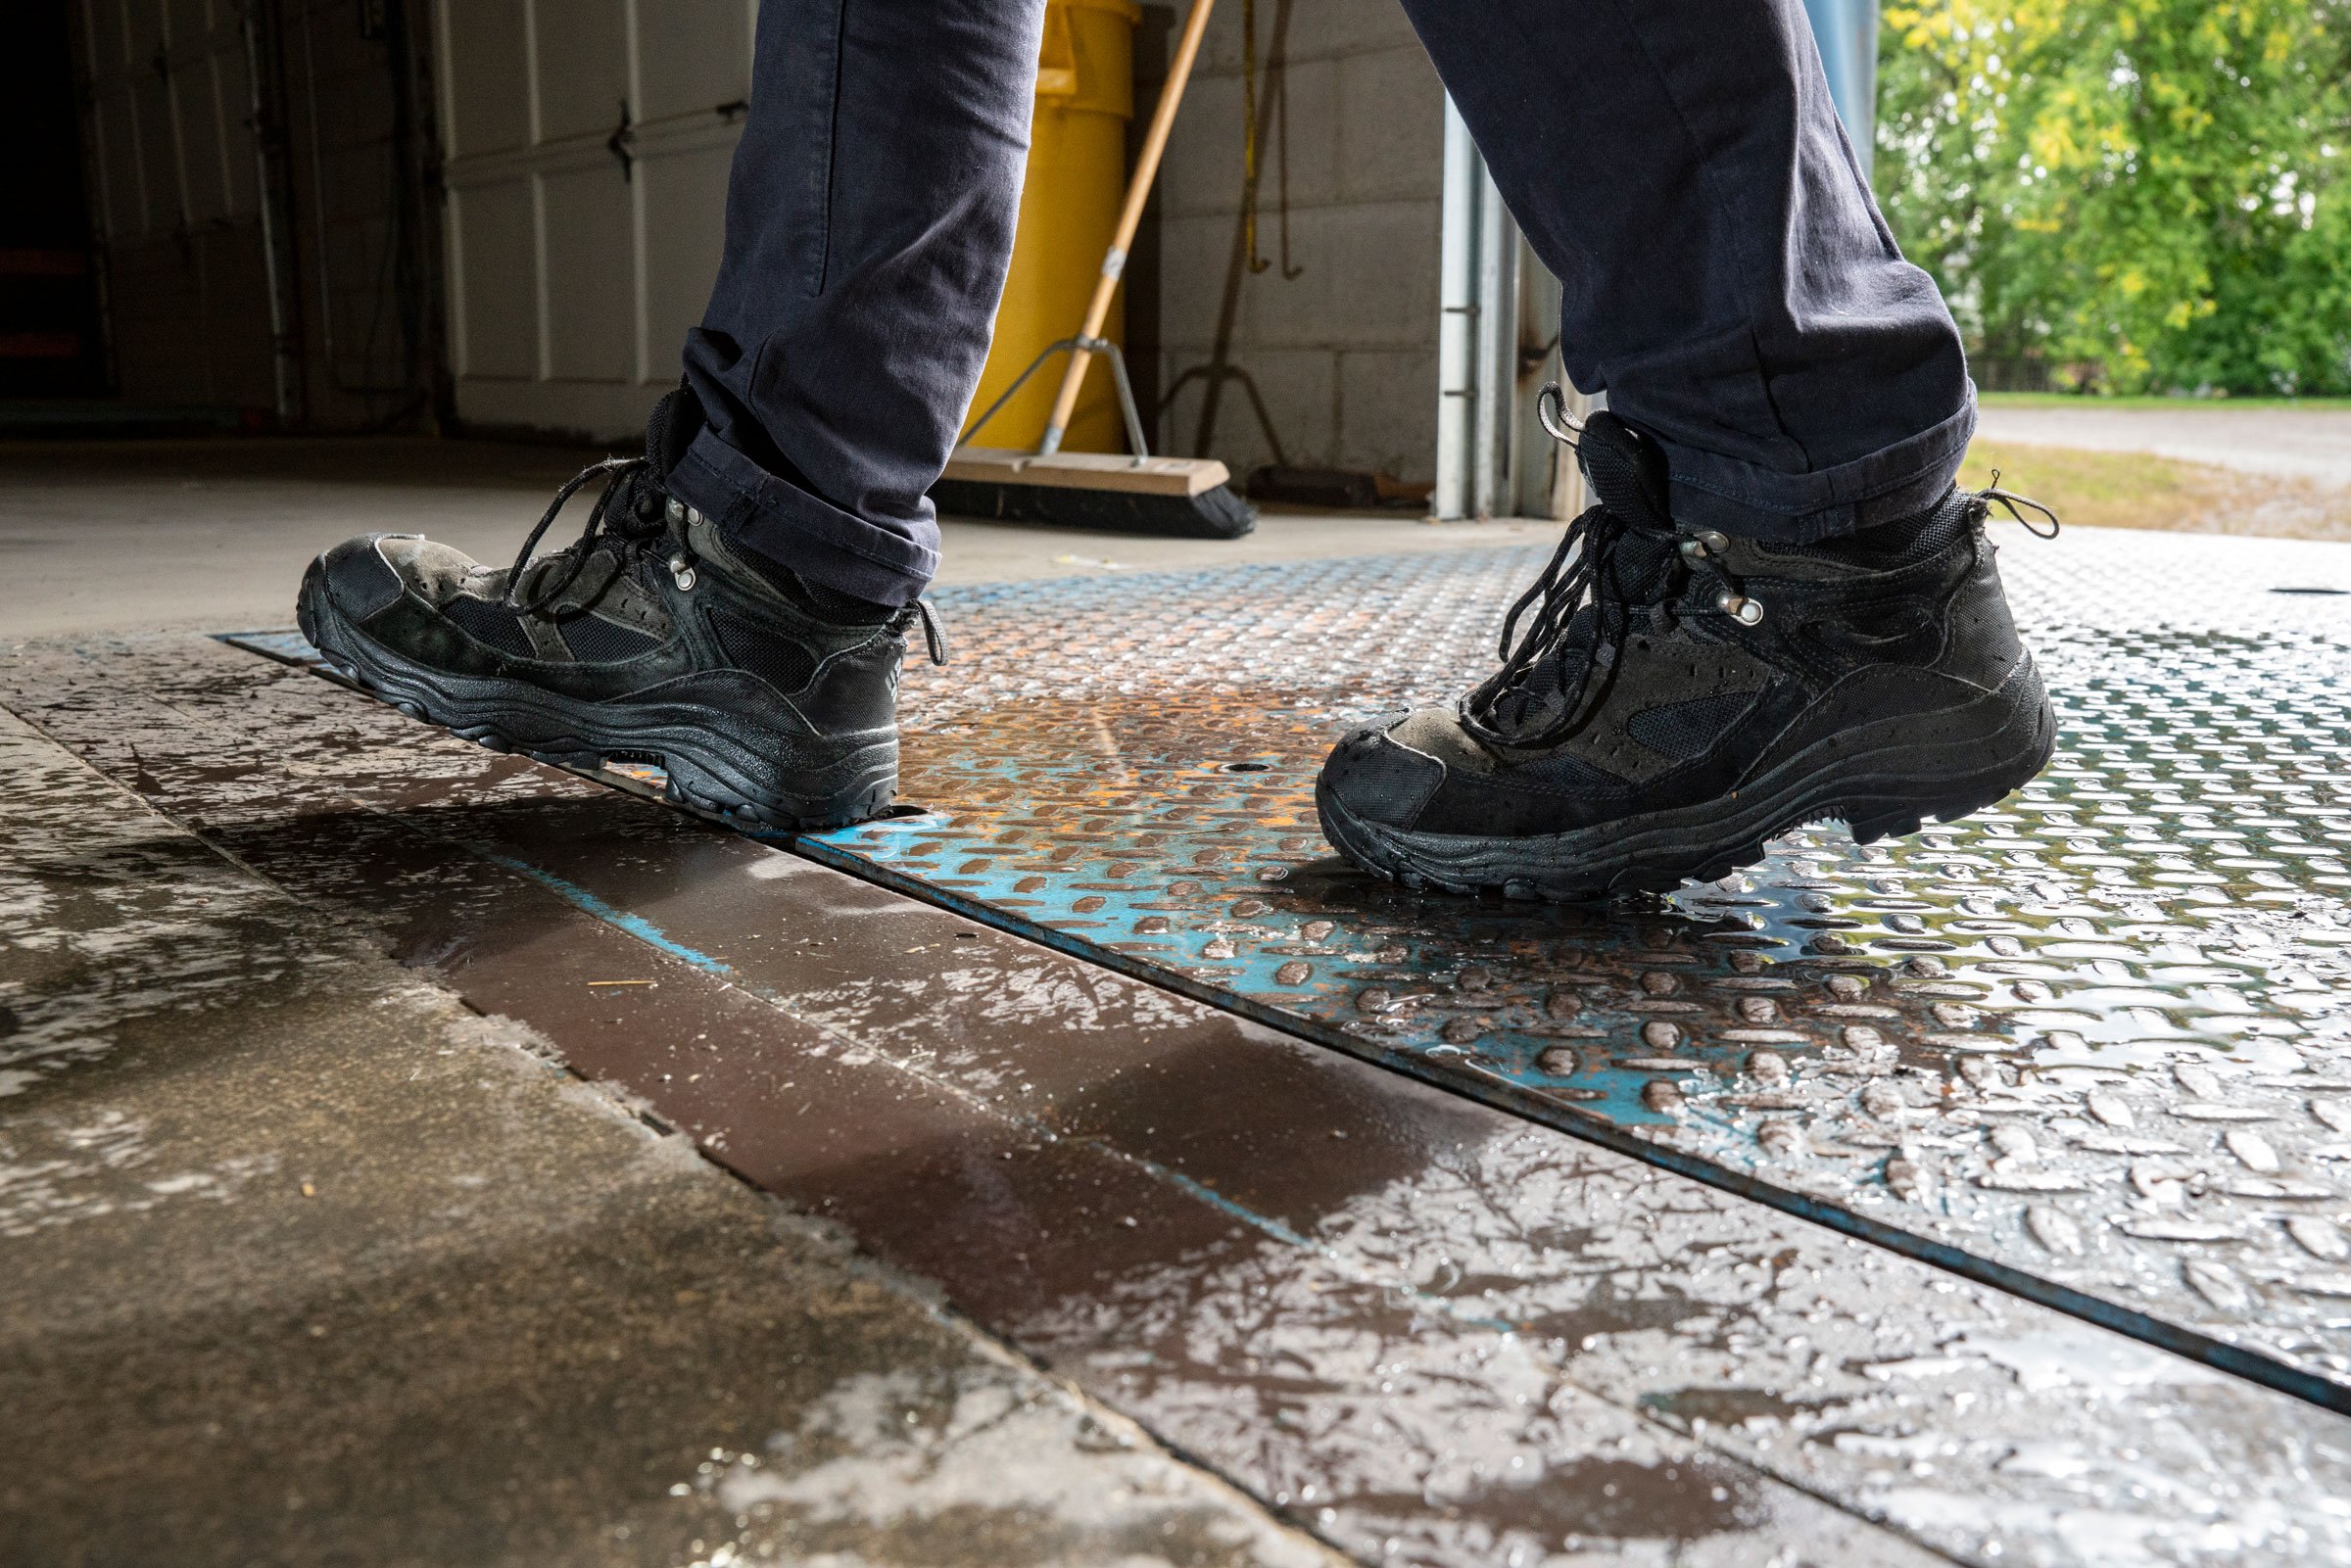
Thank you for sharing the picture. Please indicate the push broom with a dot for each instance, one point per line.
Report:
(1189, 496)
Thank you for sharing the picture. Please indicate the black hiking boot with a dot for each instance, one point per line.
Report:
(651, 638)
(1677, 697)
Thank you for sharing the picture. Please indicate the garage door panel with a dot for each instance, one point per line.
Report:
(188, 21)
(496, 280)
(158, 156)
(109, 50)
(200, 143)
(571, 304)
(685, 196)
(485, 54)
(584, 68)
(694, 56)
(591, 277)
(124, 213)
(235, 89)
(145, 19)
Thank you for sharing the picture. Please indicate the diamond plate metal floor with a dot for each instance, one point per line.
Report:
(2093, 1046)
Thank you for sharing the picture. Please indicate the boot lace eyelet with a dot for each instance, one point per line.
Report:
(1740, 608)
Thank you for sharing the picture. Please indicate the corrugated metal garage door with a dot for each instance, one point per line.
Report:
(588, 143)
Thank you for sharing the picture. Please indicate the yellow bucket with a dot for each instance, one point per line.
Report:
(1077, 182)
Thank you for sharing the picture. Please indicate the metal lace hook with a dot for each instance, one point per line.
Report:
(2012, 500)
(1551, 406)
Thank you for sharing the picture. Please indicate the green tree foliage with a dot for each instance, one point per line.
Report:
(2150, 195)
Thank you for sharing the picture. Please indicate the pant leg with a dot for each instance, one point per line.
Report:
(868, 225)
(1728, 279)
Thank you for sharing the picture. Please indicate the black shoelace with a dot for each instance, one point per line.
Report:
(635, 533)
(622, 525)
(1581, 576)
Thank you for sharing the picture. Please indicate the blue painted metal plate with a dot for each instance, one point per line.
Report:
(2093, 1045)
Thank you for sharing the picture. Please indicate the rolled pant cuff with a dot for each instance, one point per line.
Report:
(1739, 498)
(785, 523)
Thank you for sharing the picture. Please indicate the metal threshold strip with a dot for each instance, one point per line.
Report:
(2092, 1047)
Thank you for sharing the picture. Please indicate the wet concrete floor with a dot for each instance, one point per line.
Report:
(309, 1261)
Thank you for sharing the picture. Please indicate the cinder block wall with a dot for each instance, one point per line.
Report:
(1343, 349)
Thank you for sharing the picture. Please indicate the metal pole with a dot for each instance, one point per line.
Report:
(1847, 31)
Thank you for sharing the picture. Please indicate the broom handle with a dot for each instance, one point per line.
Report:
(1138, 192)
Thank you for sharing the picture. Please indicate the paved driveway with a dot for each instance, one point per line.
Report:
(2290, 442)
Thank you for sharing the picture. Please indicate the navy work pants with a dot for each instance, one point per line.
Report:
(1728, 279)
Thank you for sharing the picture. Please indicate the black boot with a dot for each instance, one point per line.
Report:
(651, 638)
(1670, 698)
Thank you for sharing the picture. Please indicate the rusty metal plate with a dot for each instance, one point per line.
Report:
(2090, 1046)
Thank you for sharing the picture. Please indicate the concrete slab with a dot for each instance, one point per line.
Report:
(308, 1262)
(1395, 1314)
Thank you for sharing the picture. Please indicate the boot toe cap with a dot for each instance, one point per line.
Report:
(1377, 779)
(358, 578)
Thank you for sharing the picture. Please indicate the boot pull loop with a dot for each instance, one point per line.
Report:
(2011, 500)
(1551, 407)
(935, 630)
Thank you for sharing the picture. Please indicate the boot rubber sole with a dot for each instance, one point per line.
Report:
(716, 763)
(1882, 778)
